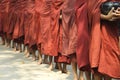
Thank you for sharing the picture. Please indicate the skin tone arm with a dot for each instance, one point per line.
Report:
(109, 16)
(112, 15)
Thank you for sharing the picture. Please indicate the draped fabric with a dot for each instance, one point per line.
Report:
(47, 29)
(12, 17)
(1, 25)
(45, 26)
(104, 50)
(18, 32)
(5, 7)
(57, 25)
(37, 21)
(82, 50)
(4, 4)
(27, 17)
(69, 27)
(30, 28)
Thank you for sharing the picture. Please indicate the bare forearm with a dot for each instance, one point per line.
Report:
(104, 17)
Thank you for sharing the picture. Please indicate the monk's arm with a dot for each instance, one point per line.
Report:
(109, 16)
(104, 17)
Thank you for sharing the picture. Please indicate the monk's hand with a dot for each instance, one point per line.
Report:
(114, 18)
(109, 16)
(117, 13)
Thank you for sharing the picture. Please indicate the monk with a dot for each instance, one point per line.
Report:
(82, 50)
(57, 23)
(37, 24)
(49, 32)
(5, 7)
(11, 21)
(104, 49)
(26, 29)
(18, 33)
(31, 34)
(61, 59)
(4, 4)
(69, 33)
(1, 25)
(23, 6)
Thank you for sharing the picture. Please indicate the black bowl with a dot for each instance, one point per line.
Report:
(107, 6)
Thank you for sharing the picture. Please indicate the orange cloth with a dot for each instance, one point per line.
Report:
(104, 50)
(30, 28)
(82, 51)
(18, 32)
(69, 27)
(37, 21)
(58, 4)
(49, 28)
(4, 4)
(45, 23)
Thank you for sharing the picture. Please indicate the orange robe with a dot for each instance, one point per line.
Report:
(18, 32)
(82, 50)
(5, 5)
(57, 25)
(104, 50)
(49, 29)
(4, 16)
(27, 17)
(33, 29)
(37, 22)
(30, 28)
(11, 18)
(69, 28)
(0, 19)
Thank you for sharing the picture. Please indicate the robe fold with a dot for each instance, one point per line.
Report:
(37, 22)
(48, 29)
(4, 4)
(69, 28)
(30, 28)
(12, 17)
(1, 25)
(104, 50)
(82, 49)
(45, 26)
(18, 32)
(57, 25)
(27, 17)
(5, 7)
(26, 24)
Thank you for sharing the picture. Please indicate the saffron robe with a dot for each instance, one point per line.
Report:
(4, 10)
(104, 50)
(37, 22)
(33, 28)
(30, 29)
(49, 30)
(4, 4)
(18, 33)
(57, 24)
(82, 50)
(69, 28)
(11, 18)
